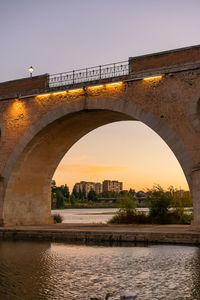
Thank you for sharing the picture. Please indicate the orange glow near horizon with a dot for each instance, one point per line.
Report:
(126, 151)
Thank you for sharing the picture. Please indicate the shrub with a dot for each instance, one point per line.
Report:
(130, 217)
(186, 219)
(159, 204)
(159, 201)
(140, 218)
(57, 218)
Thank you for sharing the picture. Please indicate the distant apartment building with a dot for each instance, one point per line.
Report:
(98, 188)
(88, 186)
(112, 185)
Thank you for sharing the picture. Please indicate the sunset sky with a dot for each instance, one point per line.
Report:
(62, 35)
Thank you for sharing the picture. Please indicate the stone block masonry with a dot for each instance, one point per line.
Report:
(24, 84)
(39, 129)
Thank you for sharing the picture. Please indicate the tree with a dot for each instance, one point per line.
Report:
(127, 212)
(127, 203)
(159, 203)
(92, 196)
(65, 191)
(176, 201)
(75, 193)
(109, 194)
(60, 199)
(186, 199)
(132, 192)
(72, 199)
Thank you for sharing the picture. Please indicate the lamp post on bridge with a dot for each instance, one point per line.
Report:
(31, 69)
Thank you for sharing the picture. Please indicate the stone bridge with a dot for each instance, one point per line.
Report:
(41, 117)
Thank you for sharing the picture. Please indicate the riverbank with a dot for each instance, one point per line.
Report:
(174, 234)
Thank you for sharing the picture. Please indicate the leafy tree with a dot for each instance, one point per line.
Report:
(132, 192)
(159, 202)
(186, 199)
(60, 199)
(75, 193)
(92, 196)
(65, 191)
(72, 199)
(109, 194)
(127, 203)
(176, 201)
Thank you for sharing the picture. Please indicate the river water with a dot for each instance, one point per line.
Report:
(52, 271)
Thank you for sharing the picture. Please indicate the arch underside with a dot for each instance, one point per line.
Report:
(27, 197)
(31, 177)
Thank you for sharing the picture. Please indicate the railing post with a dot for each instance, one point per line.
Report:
(99, 72)
(73, 77)
(114, 69)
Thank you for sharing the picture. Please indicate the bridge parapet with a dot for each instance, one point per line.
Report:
(135, 68)
(165, 59)
(24, 86)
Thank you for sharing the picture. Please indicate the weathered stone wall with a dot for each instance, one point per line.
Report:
(165, 59)
(24, 84)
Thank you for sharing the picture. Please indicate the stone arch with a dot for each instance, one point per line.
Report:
(30, 168)
(195, 111)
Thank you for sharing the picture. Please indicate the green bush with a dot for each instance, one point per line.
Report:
(186, 219)
(132, 217)
(57, 218)
(127, 203)
(159, 201)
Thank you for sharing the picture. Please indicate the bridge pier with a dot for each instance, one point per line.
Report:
(195, 193)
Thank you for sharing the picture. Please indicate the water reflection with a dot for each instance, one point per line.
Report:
(24, 271)
(194, 264)
(50, 271)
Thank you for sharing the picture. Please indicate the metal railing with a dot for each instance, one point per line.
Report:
(89, 74)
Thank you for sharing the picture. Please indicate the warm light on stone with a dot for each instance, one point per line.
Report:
(17, 109)
(153, 78)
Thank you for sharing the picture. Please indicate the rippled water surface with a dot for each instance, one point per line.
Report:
(32, 270)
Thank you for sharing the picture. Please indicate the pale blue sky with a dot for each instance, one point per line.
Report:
(57, 36)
